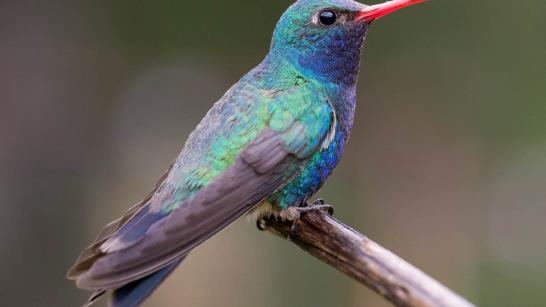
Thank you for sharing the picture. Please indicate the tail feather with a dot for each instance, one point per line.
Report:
(94, 297)
(134, 293)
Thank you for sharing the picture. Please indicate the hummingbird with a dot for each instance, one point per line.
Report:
(265, 148)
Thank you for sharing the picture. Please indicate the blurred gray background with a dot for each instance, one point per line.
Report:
(446, 165)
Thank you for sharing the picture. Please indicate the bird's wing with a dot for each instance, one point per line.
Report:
(91, 253)
(292, 126)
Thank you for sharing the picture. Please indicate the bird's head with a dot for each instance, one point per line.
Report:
(323, 38)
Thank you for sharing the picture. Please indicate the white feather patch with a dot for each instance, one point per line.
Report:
(264, 209)
(331, 133)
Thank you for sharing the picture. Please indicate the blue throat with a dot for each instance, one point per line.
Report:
(332, 62)
(335, 73)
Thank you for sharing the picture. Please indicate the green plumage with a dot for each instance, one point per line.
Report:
(273, 139)
(300, 113)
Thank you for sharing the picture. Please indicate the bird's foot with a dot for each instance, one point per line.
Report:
(293, 214)
(261, 223)
(317, 205)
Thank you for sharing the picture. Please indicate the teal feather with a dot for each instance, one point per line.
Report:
(275, 136)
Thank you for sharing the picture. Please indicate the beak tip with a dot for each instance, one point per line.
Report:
(374, 12)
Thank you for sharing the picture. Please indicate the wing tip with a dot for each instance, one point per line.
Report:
(110, 246)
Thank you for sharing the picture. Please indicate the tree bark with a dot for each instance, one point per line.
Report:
(364, 260)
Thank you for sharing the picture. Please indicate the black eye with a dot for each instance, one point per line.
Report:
(327, 17)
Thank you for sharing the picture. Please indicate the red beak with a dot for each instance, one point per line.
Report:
(377, 11)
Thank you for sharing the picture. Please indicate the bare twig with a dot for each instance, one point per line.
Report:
(364, 260)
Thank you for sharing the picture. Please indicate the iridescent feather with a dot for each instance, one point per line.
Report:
(273, 139)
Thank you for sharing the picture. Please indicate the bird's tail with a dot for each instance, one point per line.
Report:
(134, 293)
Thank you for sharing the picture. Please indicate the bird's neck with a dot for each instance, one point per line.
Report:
(343, 100)
(332, 58)
(280, 73)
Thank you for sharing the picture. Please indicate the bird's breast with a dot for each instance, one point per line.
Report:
(314, 174)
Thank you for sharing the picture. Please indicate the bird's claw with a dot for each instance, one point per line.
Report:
(293, 214)
(317, 205)
(261, 223)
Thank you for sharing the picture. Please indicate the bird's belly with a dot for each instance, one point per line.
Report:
(312, 177)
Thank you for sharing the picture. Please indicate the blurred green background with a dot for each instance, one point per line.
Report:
(446, 165)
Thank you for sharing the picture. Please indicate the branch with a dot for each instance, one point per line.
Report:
(364, 260)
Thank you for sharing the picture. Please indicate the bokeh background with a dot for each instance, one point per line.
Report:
(446, 165)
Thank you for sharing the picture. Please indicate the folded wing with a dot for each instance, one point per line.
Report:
(156, 236)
